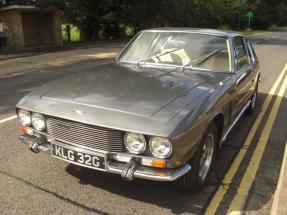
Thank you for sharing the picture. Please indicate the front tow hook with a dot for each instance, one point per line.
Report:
(129, 169)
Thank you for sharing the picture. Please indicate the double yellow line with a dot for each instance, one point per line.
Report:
(237, 204)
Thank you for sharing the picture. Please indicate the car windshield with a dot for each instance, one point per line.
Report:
(203, 51)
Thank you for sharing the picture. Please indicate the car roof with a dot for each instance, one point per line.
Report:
(196, 30)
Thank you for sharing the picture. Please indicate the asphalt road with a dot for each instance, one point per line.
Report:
(39, 184)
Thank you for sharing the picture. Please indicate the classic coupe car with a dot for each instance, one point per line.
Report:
(160, 111)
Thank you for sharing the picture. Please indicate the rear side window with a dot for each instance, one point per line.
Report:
(241, 53)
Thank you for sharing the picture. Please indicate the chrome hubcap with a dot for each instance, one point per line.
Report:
(206, 157)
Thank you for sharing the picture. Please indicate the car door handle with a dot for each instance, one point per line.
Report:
(238, 81)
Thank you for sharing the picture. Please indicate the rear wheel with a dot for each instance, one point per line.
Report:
(201, 164)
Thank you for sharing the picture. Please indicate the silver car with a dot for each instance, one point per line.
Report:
(160, 111)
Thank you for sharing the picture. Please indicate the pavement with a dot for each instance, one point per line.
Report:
(247, 178)
(32, 62)
(8, 55)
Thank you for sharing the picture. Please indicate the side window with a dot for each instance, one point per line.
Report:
(241, 53)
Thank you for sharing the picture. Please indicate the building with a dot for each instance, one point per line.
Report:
(28, 27)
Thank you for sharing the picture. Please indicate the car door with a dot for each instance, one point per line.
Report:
(244, 73)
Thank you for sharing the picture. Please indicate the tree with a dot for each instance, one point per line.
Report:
(108, 18)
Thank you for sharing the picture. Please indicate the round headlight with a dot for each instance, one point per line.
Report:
(135, 142)
(24, 117)
(160, 147)
(38, 121)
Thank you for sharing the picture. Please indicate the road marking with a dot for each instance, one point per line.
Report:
(275, 202)
(8, 119)
(238, 202)
(217, 198)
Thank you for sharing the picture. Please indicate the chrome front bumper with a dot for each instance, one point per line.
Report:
(128, 170)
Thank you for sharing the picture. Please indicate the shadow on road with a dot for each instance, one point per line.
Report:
(162, 194)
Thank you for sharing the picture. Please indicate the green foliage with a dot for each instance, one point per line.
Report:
(75, 33)
(116, 18)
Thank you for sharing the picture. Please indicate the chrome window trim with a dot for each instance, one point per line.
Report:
(248, 45)
(126, 46)
(188, 31)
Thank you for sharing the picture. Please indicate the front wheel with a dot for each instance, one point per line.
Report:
(201, 164)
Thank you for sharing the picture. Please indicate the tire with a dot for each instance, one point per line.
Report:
(253, 99)
(196, 178)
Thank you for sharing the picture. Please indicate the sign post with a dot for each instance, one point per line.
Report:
(249, 15)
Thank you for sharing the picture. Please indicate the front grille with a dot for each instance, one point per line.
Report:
(91, 136)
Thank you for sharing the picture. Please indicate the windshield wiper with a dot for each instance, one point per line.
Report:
(202, 58)
(156, 56)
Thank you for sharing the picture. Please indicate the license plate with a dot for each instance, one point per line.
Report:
(79, 157)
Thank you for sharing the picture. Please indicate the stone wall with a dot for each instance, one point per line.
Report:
(32, 28)
(12, 27)
(57, 28)
(37, 29)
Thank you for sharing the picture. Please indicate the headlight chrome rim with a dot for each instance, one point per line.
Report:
(143, 148)
(24, 115)
(38, 118)
(154, 153)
